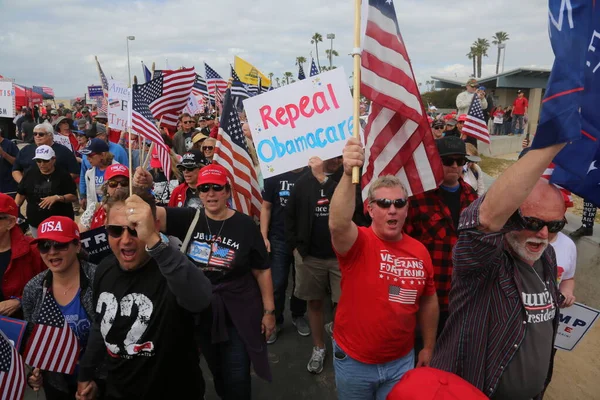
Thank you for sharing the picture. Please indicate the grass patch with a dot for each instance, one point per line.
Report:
(494, 166)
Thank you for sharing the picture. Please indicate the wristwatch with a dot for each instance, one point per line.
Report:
(158, 247)
(269, 312)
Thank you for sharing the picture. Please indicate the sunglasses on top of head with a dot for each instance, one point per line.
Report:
(44, 246)
(536, 224)
(449, 161)
(387, 203)
(113, 184)
(206, 187)
(116, 231)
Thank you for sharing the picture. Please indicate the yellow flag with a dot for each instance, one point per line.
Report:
(249, 74)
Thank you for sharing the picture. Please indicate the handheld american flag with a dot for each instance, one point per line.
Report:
(475, 125)
(313, 68)
(239, 89)
(52, 345)
(168, 94)
(232, 153)
(48, 91)
(12, 371)
(398, 139)
(216, 84)
(301, 75)
(199, 88)
(104, 83)
(142, 120)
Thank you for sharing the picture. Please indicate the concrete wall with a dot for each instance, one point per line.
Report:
(501, 145)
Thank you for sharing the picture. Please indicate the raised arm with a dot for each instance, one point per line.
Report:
(343, 230)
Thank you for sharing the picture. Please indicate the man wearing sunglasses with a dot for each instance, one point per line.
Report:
(186, 194)
(464, 99)
(182, 141)
(145, 296)
(208, 149)
(48, 189)
(43, 134)
(437, 129)
(433, 217)
(504, 294)
(387, 287)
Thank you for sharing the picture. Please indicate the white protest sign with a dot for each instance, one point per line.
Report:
(312, 117)
(118, 104)
(192, 105)
(7, 100)
(575, 321)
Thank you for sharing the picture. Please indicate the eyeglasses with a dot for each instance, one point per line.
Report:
(116, 231)
(40, 134)
(186, 122)
(448, 162)
(387, 203)
(114, 184)
(44, 246)
(536, 224)
(40, 161)
(206, 187)
(204, 148)
(188, 169)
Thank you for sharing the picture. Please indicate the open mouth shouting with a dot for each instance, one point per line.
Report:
(128, 254)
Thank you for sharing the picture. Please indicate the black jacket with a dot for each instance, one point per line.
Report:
(300, 210)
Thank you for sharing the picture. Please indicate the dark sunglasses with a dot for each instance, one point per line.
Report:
(438, 127)
(387, 203)
(204, 148)
(40, 134)
(206, 187)
(448, 162)
(44, 246)
(189, 169)
(116, 231)
(536, 224)
(114, 184)
(186, 122)
(39, 161)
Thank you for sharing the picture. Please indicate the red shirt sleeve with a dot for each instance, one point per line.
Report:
(429, 283)
(348, 259)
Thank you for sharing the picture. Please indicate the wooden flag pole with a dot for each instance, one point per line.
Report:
(356, 83)
(147, 159)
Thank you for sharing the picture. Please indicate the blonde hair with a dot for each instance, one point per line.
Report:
(107, 158)
(387, 181)
(472, 150)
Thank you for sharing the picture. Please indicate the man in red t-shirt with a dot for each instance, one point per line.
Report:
(520, 106)
(387, 286)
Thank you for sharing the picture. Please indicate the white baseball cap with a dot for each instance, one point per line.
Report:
(44, 152)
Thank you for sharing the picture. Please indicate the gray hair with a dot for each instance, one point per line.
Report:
(45, 127)
(386, 181)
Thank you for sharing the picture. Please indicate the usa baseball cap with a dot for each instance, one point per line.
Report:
(59, 229)
(44, 152)
(212, 174)
(116, 170)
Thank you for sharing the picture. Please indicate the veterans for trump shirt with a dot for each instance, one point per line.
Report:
(382, 283)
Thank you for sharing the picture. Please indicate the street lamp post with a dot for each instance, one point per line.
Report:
(128, 65)
(502, 46)
(331, 36)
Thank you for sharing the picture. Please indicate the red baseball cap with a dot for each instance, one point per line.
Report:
(59, 229)
(8, 205)
(212, 173)
(116, 170)
(462, 117)
(425, 383)
(154, 161)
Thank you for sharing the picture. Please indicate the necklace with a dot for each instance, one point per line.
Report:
(208, 225)
(538, 276)
(67, 289)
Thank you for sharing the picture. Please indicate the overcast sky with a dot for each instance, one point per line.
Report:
(53, 43)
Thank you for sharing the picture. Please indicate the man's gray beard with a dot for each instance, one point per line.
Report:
(521, 249)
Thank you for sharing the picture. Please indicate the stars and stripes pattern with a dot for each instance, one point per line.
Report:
(397, 138)
(567, 196)
(142, 121)
(475, 125)
(221, 256)
(104, 82)
(400, 295)
(200, 88)
(216, 84)
(48, 91)
(239, 90)
(313, 68)
(232, 153)
(52, 345)
(157, 73)
(301, 75)
(12, 371)
(168, 94)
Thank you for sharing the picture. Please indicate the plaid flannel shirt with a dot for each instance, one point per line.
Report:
(429, 221)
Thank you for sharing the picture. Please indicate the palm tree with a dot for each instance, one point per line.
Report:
(278, 81)
(300, 60)
(481, 47)
(498, 39)
(287, 76)
(472, 56)
(270, 74)
(330, 55)
(315, 39)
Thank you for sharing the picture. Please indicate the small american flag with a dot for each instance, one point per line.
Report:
(48, 91)
(401, 295)
(221, 256)
(214, 81)
(52, 345)
(301, 75)
(398, 139)
(313, 68)
(475, 125)
(104, 106)
(232, 153)
(12, 371)
(567, 196)
(142, 120)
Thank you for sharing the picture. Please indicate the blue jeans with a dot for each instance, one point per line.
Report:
(518, 124)
(282, 259)
(356, 380)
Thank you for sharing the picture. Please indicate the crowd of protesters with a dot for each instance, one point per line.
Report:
(454, 279)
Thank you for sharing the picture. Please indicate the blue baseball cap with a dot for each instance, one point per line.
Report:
(482, 88)
(95, 146)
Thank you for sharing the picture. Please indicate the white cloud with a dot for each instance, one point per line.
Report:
(55, 45)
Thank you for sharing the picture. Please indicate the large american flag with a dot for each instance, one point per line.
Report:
(49, 91)
(232, 153)
(52, 345)
(12, 371)
(566, 194)
(398, 139)
(475, 125)
(214, 82)
(142, 120)
(104, 106)
(168, 94)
